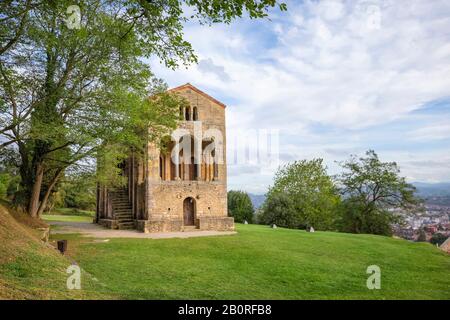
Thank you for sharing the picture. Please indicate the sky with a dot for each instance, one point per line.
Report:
(328, 79)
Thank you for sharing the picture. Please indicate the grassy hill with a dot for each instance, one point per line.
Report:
(257, 263)
(264, 263)
(30, 269)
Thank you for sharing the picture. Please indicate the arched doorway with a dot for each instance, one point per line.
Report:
(189, 211)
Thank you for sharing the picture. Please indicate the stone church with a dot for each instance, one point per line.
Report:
(180, 187)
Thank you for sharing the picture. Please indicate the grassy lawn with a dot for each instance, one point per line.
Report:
(264, 263)
(71, 212)
(66, 218)
(30, 269)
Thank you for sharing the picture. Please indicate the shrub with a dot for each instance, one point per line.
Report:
(240, 206)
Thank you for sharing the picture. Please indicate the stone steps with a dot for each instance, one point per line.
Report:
(122, 210)
(123, 214)
(126, 225)
(190, 228)
(125, 209)
(124, 218)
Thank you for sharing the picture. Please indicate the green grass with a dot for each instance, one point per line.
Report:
(65, 218)
(264, 263)
(30, 269)
(72, 212)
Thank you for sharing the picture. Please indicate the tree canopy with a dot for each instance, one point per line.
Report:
(372, 188)
(308, 190)
(240, 206)
(74, 85)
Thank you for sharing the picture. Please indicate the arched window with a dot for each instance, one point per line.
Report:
(195, 115)
(188, 114)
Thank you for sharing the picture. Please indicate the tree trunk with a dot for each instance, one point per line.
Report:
(36, 191)
(47, 193)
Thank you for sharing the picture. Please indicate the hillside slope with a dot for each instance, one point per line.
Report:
(263, 263)
(30, 269)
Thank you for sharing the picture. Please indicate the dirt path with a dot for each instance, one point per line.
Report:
(89, 229)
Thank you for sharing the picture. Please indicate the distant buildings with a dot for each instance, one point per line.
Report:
(434, 219)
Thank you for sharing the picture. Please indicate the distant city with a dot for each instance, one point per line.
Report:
(430, 220)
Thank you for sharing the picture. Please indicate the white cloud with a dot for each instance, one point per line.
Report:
(435, 131)
(339, 64)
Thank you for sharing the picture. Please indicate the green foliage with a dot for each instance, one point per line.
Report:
(279, 209)
(9, 179)
(438, 238)
(4, 183)
(80, 192)
(371, 188)
(353, 220)
(240, 206)
(85, 91)
(303, 195)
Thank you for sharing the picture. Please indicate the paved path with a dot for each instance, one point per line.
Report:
(89, 229)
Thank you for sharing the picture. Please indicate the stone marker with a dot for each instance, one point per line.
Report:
(245, 222)
(311, 229)
(274, 226)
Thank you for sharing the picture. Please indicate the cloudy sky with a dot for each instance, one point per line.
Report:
(332, 78)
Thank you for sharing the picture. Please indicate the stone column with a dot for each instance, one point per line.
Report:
(177, 161)
(168, 167)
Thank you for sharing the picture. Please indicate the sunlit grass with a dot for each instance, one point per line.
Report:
(264, 263)
(66, 218)
(71, 212)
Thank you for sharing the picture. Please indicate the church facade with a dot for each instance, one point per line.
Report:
(181, 186)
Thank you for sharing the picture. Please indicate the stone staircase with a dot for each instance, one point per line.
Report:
(122, 210)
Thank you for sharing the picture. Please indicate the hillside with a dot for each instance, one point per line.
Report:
(264, 263)
(257, 199)
(434, 193)
(30, 269)
(257, 263)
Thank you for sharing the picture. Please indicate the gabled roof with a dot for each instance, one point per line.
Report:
(190, 86)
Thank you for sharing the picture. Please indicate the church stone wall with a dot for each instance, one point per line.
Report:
(165, 197)
(156, 190)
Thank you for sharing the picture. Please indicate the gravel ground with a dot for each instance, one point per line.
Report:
(89, 229)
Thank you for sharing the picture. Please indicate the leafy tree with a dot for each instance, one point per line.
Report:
(311, 192)
(80, 191)
(438, 238)
(240, 206)
(71, 95)
(279, 209)
(372, 188)
(352, 221)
